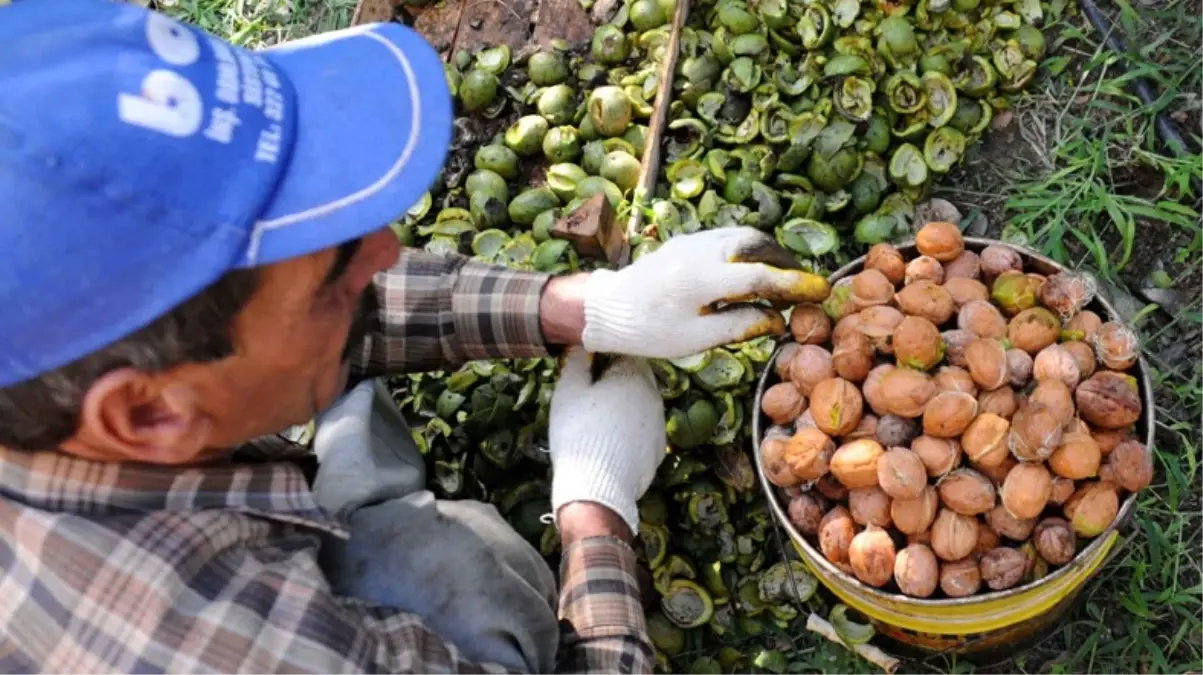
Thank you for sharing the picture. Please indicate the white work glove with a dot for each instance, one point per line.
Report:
(664, 304)
(607, 437)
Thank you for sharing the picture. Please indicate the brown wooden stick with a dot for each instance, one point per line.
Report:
(649, 168)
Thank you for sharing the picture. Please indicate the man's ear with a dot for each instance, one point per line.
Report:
(132, 416)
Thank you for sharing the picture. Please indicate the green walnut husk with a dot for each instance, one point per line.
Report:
(499, 159)
(1013, 66)
(546, 69)
(609, 110)
(494, 59)
(636, 135)
(908, 167)
(867, 190)
(450, 222)
(692, 426)
(849, 631)
(557, 104)
(562, 144)
(971, 117)
(941, 98)
(807, 237)
(487, 210)
(541, 227)
(943, 149)
(621, 168)
(854, 98)
(687, 604)
(905, 92)
(835, 109)
(647, 14)
(978, 78)
(592, 155)
(1031, 41)
(477, 89)
(525, 136)
(563, 179)
(530, 203)
(667, 636)
(422, 207)
(673, 567)
(488, 182)
(609, 45)
(592, 185)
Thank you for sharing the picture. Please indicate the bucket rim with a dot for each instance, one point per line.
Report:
(1044, 265)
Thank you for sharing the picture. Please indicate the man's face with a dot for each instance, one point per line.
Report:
(293, 340)
(292, 343)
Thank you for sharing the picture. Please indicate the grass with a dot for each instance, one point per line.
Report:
(1092, 186)
(1086, 173)
(1079, 174)
(260, 23)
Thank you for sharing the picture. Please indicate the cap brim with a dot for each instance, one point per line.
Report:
(373, 128)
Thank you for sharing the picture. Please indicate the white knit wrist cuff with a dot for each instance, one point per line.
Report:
(593, 473)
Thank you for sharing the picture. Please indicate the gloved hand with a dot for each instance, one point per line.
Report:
(663, 305)
(607, 437)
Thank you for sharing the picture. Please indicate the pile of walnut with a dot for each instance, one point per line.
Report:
(969, 424)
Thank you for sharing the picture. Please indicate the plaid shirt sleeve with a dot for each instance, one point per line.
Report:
(132, 568)
(603, 626)
(129, 609)
(442, 311)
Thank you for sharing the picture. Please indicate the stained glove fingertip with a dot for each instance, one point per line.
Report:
(762, 248)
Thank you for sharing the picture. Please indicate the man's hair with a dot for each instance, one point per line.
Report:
(42, 412)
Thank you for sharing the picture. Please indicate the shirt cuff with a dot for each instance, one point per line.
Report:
(600, 593)
(496, 312)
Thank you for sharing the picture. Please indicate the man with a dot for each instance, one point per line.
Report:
(197, 258)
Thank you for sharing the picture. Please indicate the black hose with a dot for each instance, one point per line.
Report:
(1166, 129)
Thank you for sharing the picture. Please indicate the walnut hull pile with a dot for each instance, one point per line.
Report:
(953, 424)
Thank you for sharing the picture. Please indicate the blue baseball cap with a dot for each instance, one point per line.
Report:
(141, 159)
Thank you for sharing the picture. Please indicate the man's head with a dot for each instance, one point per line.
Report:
(192, 229)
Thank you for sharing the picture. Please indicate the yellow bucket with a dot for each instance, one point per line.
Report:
(981, 623)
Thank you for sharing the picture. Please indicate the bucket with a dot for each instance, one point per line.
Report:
(982, 625)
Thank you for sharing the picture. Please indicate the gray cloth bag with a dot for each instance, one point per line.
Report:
(457, 564)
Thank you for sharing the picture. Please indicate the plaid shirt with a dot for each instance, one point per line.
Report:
(118, 567)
